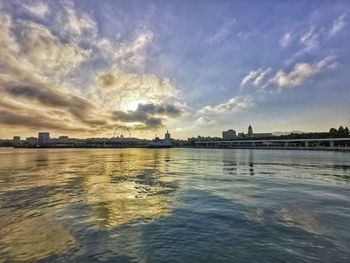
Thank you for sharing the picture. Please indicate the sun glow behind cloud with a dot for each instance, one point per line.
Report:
(42, 66)
(132, 105)
(79, 68)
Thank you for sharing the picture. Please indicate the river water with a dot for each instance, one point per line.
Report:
(174, 205)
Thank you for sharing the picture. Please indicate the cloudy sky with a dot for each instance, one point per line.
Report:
(80, 68)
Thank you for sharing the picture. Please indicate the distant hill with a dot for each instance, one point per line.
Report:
(279, 133)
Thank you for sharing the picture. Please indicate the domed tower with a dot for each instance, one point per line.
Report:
(250, 131)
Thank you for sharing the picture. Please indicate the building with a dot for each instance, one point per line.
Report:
(31, 141)
(262, 135)
(251, 134)
(229, 135)
(250, 131)
(167, 136)
(43, 138)
(241, 135)
(16, 140)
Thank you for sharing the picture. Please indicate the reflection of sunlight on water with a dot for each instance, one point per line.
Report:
(114, 204)
(129, 189)
(119, 188)
(96, 202)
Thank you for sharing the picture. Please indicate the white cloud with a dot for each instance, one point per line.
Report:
(223, 32)
(78, 24)
(212, 115)
(310, 39)
(234, 104)
(118, 90)
(7, 40)
(301, 72)
(313, 37)
(255, 77)
(128, 55)
(338, 26)
(44, 64)
(261, 77)
(295, 77)
(35, 48)
(285, 40)
(38, 9)
(71, 24)
(250, 77)
(203, 121)
(132, 53)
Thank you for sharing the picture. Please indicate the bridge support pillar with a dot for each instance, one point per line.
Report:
(331, 143)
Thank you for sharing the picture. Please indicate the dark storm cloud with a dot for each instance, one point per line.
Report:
(151, 115)
(80, 108)
(20, 119)
(153, 122)
(166, 109)
(44, 96)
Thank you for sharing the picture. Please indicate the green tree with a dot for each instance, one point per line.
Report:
(346, 131)
(333, 131)
(341, 130)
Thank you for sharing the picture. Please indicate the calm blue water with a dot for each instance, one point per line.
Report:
(174, 205)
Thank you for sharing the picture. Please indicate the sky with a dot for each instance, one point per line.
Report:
(82, 68)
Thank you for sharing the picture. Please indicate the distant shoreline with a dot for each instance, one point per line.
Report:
(334, 149)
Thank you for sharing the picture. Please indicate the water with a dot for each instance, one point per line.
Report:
(174, 205)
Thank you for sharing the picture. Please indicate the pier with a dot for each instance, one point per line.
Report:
(334, 144)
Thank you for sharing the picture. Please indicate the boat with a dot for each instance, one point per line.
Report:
(160, 144)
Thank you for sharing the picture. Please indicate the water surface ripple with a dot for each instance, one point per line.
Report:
(174, 205)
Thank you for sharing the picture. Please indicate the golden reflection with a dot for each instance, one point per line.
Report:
(119, 185)
(34, 238)
(128, 188)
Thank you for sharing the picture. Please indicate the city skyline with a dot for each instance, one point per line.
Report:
(193, 67)
(124, 132)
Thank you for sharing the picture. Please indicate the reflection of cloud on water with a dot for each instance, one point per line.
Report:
(258, 214)
(115, 204)
(35, 238)
(121, 192)
(300, 218)
(290, 216)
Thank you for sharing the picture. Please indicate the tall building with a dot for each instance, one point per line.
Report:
(250, 131)
(229, 135)
(167, 136)
(43, 138)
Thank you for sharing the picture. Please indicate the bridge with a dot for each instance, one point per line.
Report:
(302, 144)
